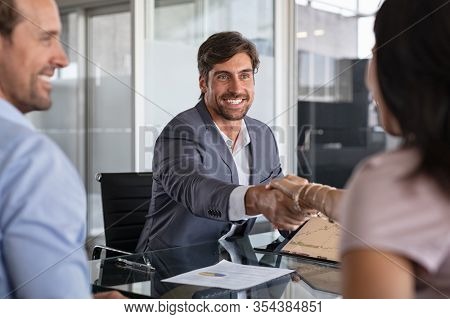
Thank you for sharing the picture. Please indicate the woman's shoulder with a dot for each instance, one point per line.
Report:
(385, 185)
(381, 180)
(388, 208)
(389, 164)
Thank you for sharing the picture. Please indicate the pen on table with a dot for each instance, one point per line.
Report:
(134, 265)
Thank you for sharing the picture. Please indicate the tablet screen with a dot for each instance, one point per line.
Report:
(317, 238)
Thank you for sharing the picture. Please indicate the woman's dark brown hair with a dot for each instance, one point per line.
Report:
(413, 68)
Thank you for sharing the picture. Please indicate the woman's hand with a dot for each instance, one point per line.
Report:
(309, 198)
(291, 186)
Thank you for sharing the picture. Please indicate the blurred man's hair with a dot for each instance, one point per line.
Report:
(9, 17)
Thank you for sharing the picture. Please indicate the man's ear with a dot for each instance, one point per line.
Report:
(5, 42)
(202, 83)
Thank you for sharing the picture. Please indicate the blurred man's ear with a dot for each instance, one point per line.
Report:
(2, 47)
(202, 83)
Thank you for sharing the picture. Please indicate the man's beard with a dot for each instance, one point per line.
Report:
(36, 101)
(231, 116)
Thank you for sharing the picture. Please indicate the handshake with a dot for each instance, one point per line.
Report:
(291, 201)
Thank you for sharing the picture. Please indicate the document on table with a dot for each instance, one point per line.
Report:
(228, 275)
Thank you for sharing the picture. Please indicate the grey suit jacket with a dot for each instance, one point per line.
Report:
(193, 176)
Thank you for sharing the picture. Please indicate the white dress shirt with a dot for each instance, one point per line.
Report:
(241, 157)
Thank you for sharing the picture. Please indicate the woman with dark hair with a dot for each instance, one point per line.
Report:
(395, 213)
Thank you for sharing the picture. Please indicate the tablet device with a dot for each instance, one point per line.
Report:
(316, 239)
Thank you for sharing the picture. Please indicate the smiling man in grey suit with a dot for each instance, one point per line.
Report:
(206, 158)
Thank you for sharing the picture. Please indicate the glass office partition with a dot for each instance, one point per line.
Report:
(337, 122)
(110, 134)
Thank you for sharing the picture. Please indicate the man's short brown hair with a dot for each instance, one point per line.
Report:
(9, 17)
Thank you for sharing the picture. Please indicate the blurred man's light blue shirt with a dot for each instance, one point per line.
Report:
(42, 215)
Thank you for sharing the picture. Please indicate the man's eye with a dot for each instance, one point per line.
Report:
(222, 77)
(245, 76)
(46, 40)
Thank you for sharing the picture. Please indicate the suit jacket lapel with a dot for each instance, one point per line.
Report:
(219, 144)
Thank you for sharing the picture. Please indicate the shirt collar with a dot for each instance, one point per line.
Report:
(12, 114)
(243, 138)
(242, 141)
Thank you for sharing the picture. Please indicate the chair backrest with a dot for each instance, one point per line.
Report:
(126, 199)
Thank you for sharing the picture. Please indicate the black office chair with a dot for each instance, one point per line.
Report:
(126, 199)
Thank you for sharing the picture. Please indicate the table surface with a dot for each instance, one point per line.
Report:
(311, 279)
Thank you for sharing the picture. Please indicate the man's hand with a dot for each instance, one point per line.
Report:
(289, 185)
(278, 208)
